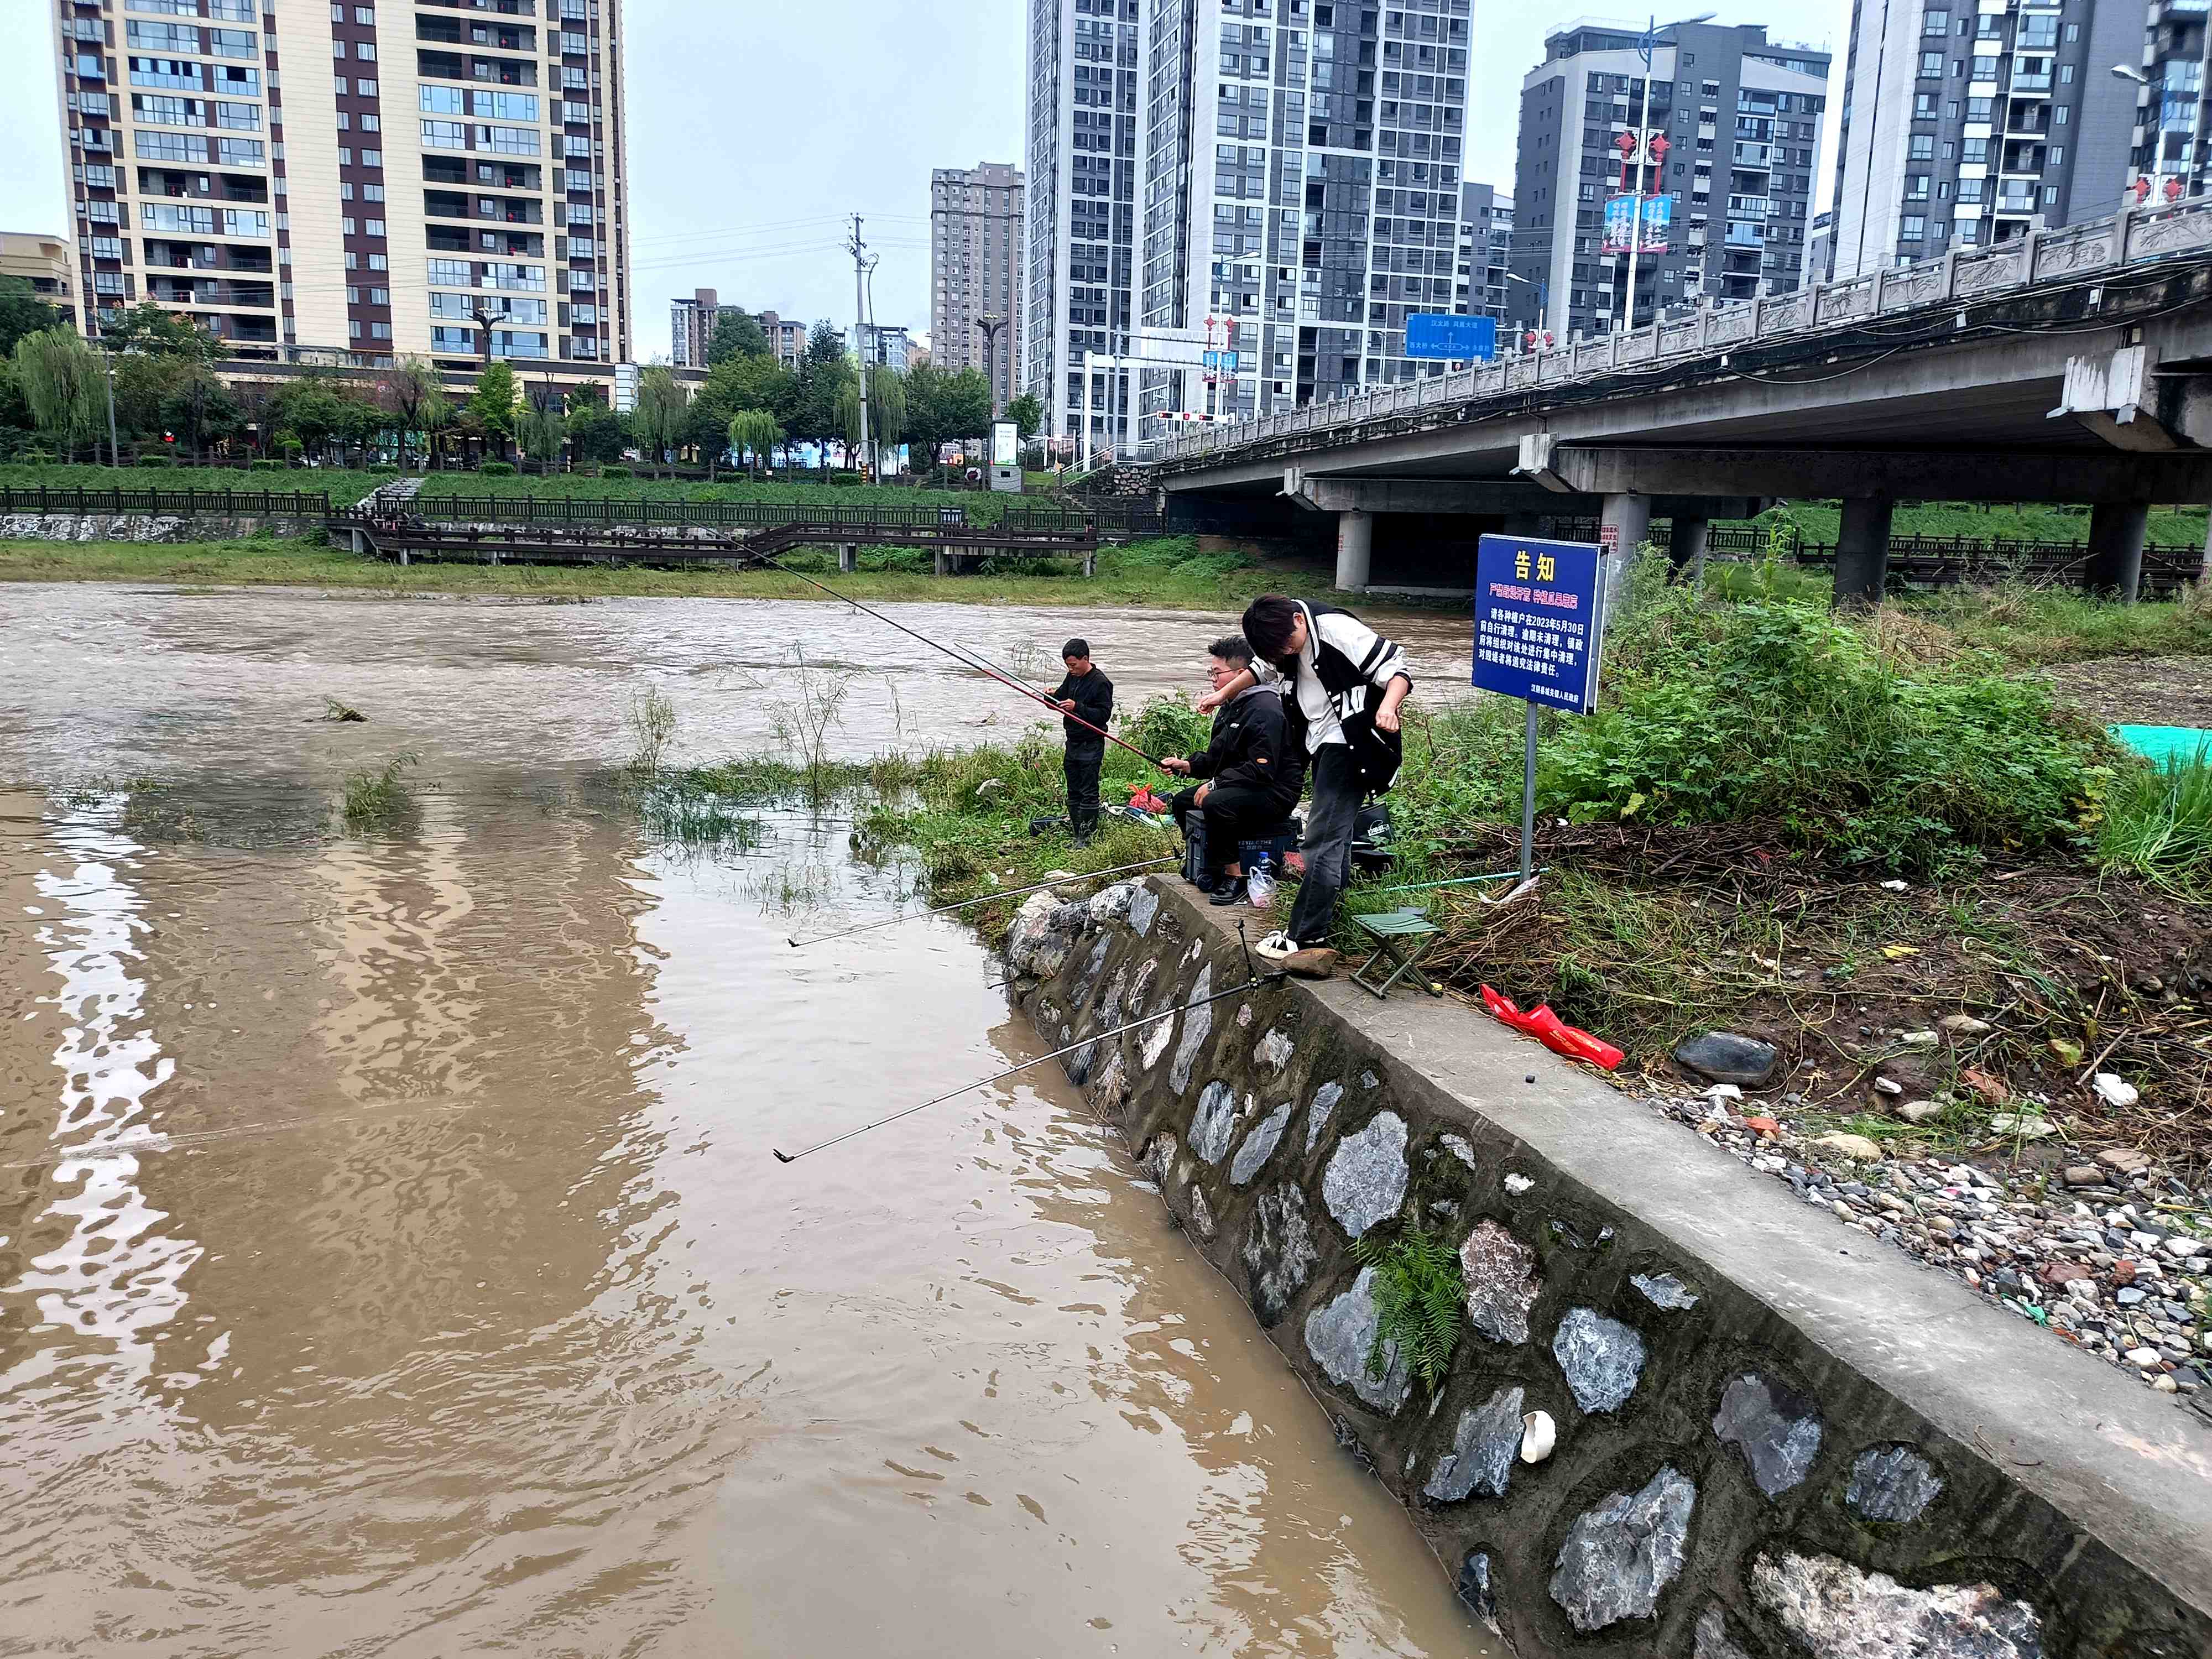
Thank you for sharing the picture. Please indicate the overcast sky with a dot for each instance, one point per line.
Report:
(755, 127)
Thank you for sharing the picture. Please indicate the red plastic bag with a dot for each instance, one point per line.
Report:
(1546, 1028)
(1145, 801)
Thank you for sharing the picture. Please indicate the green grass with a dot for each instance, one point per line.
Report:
(343, 487)
(2158, 825)
(1168, 573)
(380, 801)
(1818, 521)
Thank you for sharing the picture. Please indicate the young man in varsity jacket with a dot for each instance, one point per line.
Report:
(1345, 684)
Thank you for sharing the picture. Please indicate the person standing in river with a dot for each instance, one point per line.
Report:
(1346, 684)
(1086, 701)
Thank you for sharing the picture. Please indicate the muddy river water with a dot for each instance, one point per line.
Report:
(390, 1257)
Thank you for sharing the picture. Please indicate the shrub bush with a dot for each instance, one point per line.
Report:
(496, 469)
(383, 469)
(2158, 823)
(1773, 709)
(264, 466)
(844, 477)
(616, 472)
(156, 460)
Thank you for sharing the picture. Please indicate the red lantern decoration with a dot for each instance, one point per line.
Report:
(2142, 188)
(2173, 188)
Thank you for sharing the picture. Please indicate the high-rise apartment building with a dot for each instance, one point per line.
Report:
(1291, 167)
(976, 221)
(887, 344)
(2171, 148)
(692, 325)
(1485, 256)
(1741, 116)
(1968, 122)
(786, 338)
(356, 182)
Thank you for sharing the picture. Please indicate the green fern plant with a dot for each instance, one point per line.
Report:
(1421, 1299)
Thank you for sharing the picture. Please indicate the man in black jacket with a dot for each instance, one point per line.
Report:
(1253, 774)
(1086, 699)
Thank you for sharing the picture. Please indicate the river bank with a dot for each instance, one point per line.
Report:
(1173, 572)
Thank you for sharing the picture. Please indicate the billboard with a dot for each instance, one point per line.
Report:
(1621, 216)
(1005, 444)
(1446, 334)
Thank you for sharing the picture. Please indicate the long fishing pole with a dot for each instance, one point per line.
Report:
(968, 661)
(1456, 881)
(1003, 892)
(1000, 1077)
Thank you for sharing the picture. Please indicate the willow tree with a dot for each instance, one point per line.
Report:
(539, 430)
(886, 409)
(60, 380)
(662, 412)
(757, 433)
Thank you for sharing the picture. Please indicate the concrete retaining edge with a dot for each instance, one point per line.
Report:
(1783, 1382)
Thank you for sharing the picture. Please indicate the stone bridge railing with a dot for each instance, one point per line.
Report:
(2133, 237)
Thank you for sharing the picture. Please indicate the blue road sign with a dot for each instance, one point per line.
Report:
(1446, 334)
(1539, 621)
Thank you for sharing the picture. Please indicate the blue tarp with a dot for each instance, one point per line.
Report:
(2161, 744)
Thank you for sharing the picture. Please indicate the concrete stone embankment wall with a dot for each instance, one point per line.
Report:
(1772, 1435)
(149, 526)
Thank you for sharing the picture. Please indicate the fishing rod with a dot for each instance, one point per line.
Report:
(1456, 881)
(1003, 892)
(969, 660)
(1000, 1077)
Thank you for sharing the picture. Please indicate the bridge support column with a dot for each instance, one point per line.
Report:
(2117, 530)
(944, 562)
(1355, 550)
(403, 555)
(1862, 550)
(848, 556)
(1622, 529)
(1686, 539)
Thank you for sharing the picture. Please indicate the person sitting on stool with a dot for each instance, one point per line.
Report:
(1254, 775)
(1086, 698)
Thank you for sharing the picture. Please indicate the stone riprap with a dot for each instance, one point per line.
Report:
(1760, 1445)
(150, 527)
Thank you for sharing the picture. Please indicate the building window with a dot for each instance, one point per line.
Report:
(1913, 227)
(1935, 22)
(1920, 147)
(1931, 65)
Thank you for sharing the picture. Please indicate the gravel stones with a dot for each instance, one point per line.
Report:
(1777, 1430)
(1260, 1145)
(1842, 1612)
(1278, 1252)
(1213, 1125)
(1664, 1291)
(1481, 1462)
(1892, 1483)
(1459, 1147)
(1852, 1146)
(1197, 1026)
(1322, 1109)
(1500, 1273)
(1601, 1358)
(1726, 1057)
(1339, 1336)
(1477, 1588)
(1366, 1181)
(1619, 1555)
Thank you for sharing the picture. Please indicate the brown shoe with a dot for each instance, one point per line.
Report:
(1314, 962)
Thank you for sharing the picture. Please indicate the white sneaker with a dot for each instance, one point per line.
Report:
(1275, 947)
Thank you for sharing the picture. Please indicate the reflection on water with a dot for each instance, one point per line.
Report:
(391, 1261)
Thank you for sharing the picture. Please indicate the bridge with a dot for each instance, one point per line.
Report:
(2066, 366)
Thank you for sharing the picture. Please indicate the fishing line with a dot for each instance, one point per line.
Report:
(1003, 892)
(968, 658)
(1000, 1077)
(1456, 881)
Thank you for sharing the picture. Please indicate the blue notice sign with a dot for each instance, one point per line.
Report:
(1446, 334)
(1539, 621)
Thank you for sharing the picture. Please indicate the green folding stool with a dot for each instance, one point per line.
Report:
(1401, 938)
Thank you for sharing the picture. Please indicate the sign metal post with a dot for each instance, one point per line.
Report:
(1538, 634)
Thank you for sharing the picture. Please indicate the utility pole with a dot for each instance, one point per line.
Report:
(858, 250)
(114, 450)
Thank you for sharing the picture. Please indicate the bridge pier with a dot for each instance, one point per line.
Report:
(1686, 539)
(1624, 526)
(1355, 550)
(1862, 550)
(944, 562)
(2117, 530)
(848, 556)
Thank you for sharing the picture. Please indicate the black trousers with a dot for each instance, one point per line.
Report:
(1330, 823)
(1232, 813)
(1084, 757)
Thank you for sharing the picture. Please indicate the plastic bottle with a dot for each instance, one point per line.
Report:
(1260, 883)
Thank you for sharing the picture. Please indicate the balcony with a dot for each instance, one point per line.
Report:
(260, 296)
(1760, 158)
(500, 7)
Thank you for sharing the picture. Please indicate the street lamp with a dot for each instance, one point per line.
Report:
(991, 325)
(2128, 72)
(1645, 48)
